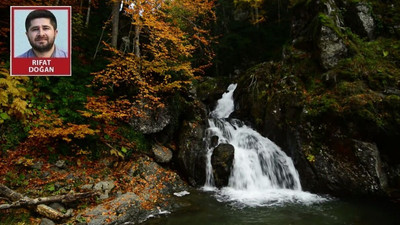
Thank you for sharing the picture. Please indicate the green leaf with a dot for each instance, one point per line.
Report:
(385, 53)
(4, 116)
(51, 187)
(123, 149)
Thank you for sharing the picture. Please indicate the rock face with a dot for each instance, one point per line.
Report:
(330, 44)
(152, 120)
(191, 146)
(192, 152)
(354, 168)
(359, 18)
(221, 161)
(322, 24)
(331, 47)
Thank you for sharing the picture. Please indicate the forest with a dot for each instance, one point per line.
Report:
(127, 131)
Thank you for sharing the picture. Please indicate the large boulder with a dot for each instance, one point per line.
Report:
(152, 120)
(221, 161)
(317, 26)
(192, 152)
(322, 24)
(359, 18)
(331, 46)
(191, 147)
(353, 167)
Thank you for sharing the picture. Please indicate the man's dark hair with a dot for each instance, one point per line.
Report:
(40, 13)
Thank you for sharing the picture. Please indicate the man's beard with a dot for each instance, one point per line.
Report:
(43, 48)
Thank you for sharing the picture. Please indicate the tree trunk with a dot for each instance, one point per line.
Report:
(136, 41)
(88, 14)
(37, 204)
(10, 194)
(49, 212)
(24, 201)
(115, 21)
(80, 7)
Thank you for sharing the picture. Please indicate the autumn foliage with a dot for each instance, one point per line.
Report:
(48, 127)
(166, 37)
(13, 97)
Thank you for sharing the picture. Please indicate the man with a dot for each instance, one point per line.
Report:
(41, 30)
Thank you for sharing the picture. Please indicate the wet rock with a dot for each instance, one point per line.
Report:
(214, 141)
(353, 167)
(369, 158)
(162, 154)
(210, 89)
(221, 161)
(192, 152)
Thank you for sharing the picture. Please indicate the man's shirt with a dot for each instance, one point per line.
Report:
(58, 53)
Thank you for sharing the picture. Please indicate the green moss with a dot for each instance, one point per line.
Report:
(375, 64)
(141, 142)
(348, 88)
(323, 105)
(327, 21)
(393, 101)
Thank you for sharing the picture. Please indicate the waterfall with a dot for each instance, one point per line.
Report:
(261, 174)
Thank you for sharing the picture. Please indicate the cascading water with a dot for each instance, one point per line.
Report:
(262, 174)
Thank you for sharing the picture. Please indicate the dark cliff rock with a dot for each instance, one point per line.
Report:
(152, 120)
(327, 104)
(358, 17)
(192, 149)
(321, 26)
(351, 167)
(221, 161)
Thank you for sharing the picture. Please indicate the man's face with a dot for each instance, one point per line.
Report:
(41, 34)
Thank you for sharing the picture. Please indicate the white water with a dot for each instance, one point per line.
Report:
(262, 174)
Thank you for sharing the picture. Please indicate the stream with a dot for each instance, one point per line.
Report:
(203, 208)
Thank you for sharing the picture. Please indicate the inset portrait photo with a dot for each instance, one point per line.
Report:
(40, 41)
